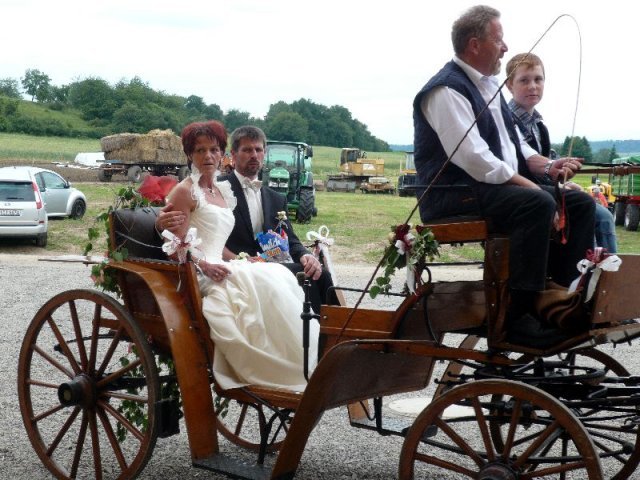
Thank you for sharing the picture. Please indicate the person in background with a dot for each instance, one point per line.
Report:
(257, 211)
(525, 81)
(492, 173)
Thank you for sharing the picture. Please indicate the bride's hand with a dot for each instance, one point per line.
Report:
(215, 271)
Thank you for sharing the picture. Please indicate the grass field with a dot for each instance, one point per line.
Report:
(358, 223)
(32, 149)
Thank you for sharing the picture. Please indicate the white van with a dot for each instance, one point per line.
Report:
(89, 159)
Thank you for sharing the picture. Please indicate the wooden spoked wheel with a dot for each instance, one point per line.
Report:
(455, 367)
(543, 438)
(87, 386)
(613, 429)
(241, 424)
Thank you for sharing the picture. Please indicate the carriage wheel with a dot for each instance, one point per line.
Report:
(614, 431)
(455, 367)
(533, 422)
(241, 424)
(87, 400)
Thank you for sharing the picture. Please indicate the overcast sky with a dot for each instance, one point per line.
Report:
(368, 56)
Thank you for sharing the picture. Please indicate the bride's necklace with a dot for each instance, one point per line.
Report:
(210, 190)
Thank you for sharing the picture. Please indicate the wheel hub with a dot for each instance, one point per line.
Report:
(497, 471)
(79, 391)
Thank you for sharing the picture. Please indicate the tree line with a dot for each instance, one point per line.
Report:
(580, 147)
(133, 106)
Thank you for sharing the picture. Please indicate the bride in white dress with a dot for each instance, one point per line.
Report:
(253, 308)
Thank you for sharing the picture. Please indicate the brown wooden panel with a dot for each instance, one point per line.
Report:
(457, 306)
(617, 298)
(473, 231)
(377, 323)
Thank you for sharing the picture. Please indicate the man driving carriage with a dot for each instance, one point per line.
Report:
(488, 170)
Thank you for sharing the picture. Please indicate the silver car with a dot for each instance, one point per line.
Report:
(60, 198)
(22, 212)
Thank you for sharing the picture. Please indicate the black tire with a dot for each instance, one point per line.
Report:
(306, 205)
(618, 213)
(41, 240)
(134, 174)
(78, 209)
(631, 218)
(103, 175)
(183, 173)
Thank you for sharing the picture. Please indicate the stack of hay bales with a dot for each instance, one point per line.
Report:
(157, 146)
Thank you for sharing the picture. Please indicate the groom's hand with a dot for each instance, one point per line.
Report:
(311, 265)
(169, 219)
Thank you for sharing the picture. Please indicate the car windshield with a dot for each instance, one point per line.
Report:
(16, 191)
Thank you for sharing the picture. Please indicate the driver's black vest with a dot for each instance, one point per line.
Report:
(429, 154)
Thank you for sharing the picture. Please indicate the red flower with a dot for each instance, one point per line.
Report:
(401, 235)
(155, 189)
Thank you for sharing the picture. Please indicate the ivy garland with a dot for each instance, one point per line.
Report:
(126, 197)
(103, 278)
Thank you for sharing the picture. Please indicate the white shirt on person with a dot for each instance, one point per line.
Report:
(450, 114)
(254, 201)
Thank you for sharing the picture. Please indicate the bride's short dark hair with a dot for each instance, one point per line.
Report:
(211, 129)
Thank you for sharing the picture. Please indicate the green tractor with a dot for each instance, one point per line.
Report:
(287, 170)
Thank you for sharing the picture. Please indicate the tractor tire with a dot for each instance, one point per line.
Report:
(631, 217)
(618, 212)
(183, 173)
(134, 174)
(103, 175)
(306, 205)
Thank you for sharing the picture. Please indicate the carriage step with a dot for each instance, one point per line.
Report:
(392, 426)
(234, 467)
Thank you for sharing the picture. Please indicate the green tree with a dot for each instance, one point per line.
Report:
(198, 110)
(275, 109)
(195, 104)
(236, 118)
(95, 98)
(37, 84)
(140, 119)
(213, 112)
(288, 126)
(9, 87)
(613, 154)
(138, 92)
(579, 147)
(338, 133)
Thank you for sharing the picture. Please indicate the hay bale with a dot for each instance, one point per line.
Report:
(157, 146)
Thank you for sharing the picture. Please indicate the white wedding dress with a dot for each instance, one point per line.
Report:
(254, 314)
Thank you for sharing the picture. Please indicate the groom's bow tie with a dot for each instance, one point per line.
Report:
(254, 185)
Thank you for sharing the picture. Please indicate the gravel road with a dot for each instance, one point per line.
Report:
(335, 450)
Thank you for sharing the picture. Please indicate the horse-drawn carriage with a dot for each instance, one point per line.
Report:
(97, 377)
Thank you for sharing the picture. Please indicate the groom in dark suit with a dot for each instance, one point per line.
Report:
(257, 211)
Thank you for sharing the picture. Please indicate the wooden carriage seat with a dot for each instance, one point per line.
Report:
(134, 229)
